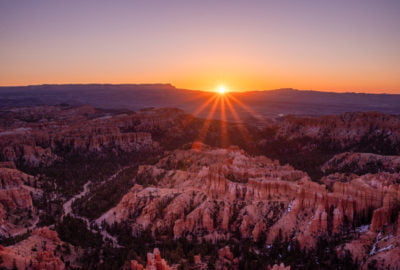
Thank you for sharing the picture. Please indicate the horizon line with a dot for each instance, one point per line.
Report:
(200, 90)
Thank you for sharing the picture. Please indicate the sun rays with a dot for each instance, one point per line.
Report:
(227, 105)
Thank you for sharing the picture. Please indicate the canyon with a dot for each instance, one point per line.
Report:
(114, 188)
(224, 193)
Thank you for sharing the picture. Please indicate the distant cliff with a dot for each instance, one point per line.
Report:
(138, 96)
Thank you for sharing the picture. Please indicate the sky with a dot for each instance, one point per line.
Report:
(340, 45)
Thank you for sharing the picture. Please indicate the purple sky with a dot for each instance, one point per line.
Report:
(325, 45)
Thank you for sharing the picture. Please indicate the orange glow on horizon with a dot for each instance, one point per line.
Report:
(239, 83)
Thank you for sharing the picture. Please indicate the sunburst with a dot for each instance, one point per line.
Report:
(224, 101)
(222, 90)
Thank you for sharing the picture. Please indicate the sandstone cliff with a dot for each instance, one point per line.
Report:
(347, 129)
(42, 250)
(16, 208)
(213, 194)
(154, 262)
(361, 163)
(39, 139)
(218, 193)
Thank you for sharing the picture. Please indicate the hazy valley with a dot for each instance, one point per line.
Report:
(270, 103)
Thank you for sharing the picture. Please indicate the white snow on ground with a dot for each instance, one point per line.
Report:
(362, 229)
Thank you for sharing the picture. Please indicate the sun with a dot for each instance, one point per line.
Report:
(221, 90)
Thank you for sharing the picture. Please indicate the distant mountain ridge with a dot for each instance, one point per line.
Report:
(268, 103)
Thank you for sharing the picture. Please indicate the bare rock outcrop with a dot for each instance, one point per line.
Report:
(199, 192)
(380, 218)
(16, 207)
(217, 193)
(37, 137)
(345, 129)
(226, 260)
(42, 250)
(154, 262)
(362, 163)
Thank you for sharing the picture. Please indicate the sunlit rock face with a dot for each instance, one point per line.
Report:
(40, 136)
(222, 193)
(361, 163)
(346, 128)
(226, 260)
(321, 137)
(154, 262)
(213, 194)
(16, 208)
(42, 250)
(199, 193)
